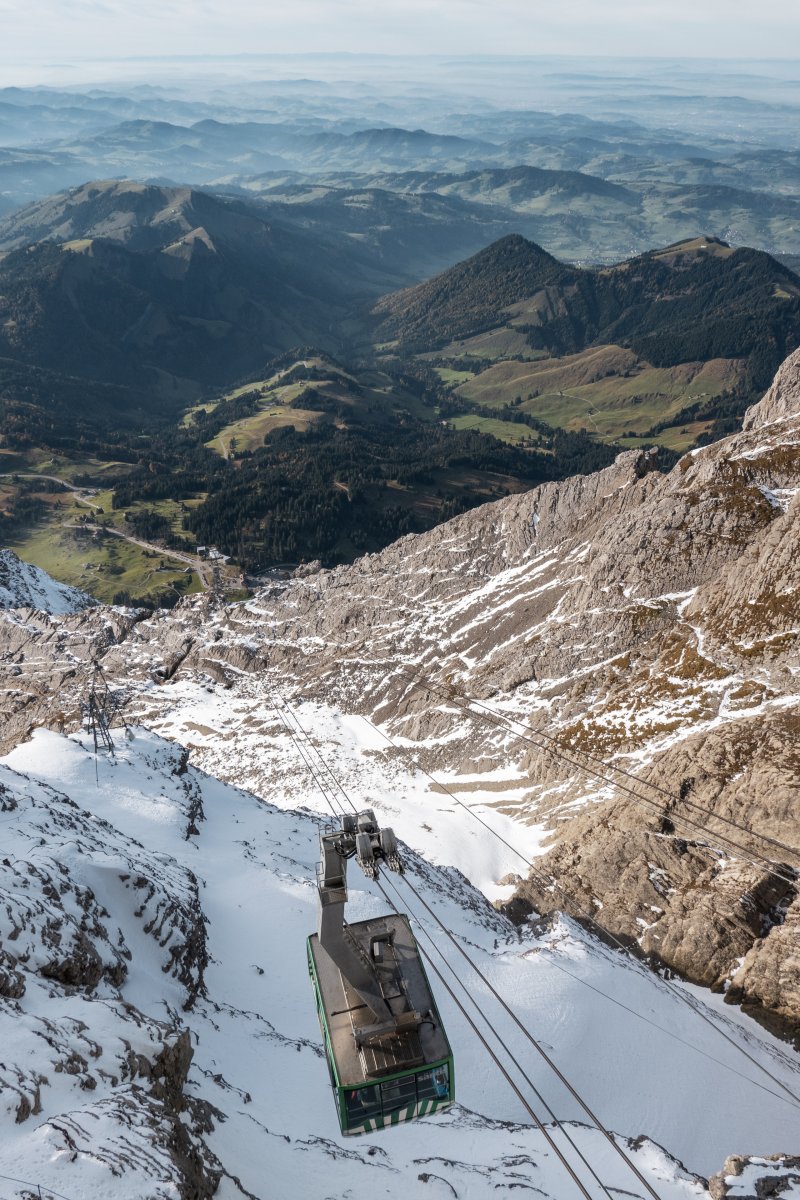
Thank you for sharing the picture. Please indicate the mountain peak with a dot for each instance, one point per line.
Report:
(513, 247)
(466, 298)
(512, 242)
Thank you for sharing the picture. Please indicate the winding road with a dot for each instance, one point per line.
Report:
(198, 565)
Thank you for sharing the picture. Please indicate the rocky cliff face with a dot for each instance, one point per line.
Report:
(24, 586)
(757, 1178)
(628, 621)
(782, 400)
(89, 1071)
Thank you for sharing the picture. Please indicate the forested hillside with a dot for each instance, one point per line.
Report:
(693, 301)
(218, 378)
(678, 340)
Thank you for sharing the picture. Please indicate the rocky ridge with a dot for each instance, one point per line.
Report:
(757, 1178)
(89, 1071)
(26, 586)
(648, 620)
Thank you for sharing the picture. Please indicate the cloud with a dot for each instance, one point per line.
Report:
(87, 28)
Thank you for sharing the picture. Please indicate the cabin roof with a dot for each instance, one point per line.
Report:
(405, 988)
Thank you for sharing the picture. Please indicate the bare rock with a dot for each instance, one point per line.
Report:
(756, 1178)
(767, 984)
(12, 981)
(781, 400)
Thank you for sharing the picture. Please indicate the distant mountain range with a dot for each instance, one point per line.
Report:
(169, 289)
(564, 142)
(588, 189)
(584, 217)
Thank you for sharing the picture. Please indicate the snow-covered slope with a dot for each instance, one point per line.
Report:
(26, 586)
(159, 1036)
(648, 619)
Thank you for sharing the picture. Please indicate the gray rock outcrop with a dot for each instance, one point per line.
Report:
(757, 1178)
(782, 400)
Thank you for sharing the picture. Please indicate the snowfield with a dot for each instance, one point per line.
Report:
(25, 586)
(151, 907)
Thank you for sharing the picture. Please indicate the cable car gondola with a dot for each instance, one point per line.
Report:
(387, 1051)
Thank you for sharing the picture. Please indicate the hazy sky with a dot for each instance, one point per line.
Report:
(60, 31)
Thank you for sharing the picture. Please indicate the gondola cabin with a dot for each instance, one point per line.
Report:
(397, 1077)
(388, 1054)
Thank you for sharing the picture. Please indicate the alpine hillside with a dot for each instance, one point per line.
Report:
(666, 346)
(632, 621)
(161, 1039)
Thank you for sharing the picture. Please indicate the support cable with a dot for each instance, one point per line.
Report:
(322, 789)
(550, 881)
(499, 721)
(595, 1120)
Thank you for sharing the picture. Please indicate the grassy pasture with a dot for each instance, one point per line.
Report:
(678, 437)
(715, 249)
(249, 433)
(605, 390)
(188, 416)
(43, 462)
(505, 431)
(447, 375)
(496, 343)
(501, 382)
(101, 564)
